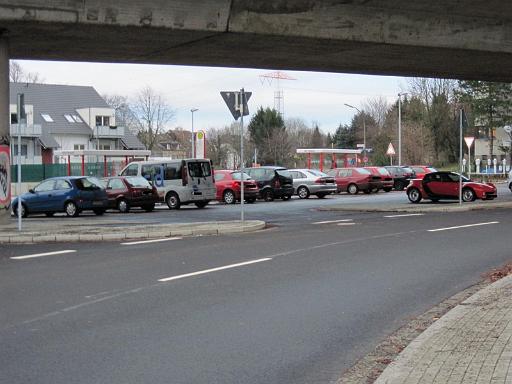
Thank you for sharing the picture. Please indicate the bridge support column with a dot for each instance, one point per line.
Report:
(5, 156)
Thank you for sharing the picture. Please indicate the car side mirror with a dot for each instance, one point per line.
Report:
(31, 190)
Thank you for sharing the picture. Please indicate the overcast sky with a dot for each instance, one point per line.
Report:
(313, 96)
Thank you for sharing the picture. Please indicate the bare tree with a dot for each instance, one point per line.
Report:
(153, 114)
(377, 108)
(125, 116)
(18, 75)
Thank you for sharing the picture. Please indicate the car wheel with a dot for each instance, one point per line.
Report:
(201, 204)
(49, 214)
(123, 206)
(149, 207)
(229, 197)
(468, 195)
(387, 189)
(414, 195)
(24, 210)
(286, 197)
(321, 195)
(251, 200)
(367, 191)
(303, 192)
(98, 211)
(71, 209)
(173, 201)
(399, 185)
(352, 189)
(268, 195)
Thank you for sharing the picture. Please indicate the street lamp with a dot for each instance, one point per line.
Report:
(364, 128)
(192, 151)
(400, 127)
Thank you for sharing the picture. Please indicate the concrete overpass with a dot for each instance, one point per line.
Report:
(464, 39)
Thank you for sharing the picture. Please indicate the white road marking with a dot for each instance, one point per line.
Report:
(463, 226)
(214, 269)
(344, 224)
(43, 254)
(152, 241)
(331, 221)
(405, 215)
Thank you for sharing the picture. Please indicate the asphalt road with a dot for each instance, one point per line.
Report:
(297, 303)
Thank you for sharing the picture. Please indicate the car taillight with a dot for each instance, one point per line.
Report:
(320, 181)
(235, 184)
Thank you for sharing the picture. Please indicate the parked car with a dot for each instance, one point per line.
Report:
(421, 170)
(125, 192)
(71, 194)
(179, 182)
(228, 184)
(353, 180)
(308, 182)
(437, 186)
(401, 176)
(386, 181)
(273, 182)
(509, 181)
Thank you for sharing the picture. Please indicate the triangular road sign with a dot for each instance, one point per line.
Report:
(232, 100)
(391, 150)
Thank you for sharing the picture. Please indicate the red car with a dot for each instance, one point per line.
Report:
(437, 186)
(386, 180)
(125, 192)
(421, 170)
(353, 180)
(228, 185)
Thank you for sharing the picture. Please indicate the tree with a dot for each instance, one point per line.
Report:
(18, 75)
(268, 133)
(317, 139)
(345, 136)
(490, 103)
(125, 116)
(152, 116)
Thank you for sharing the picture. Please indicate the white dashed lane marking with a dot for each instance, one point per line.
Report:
(404, 215)
(43, 254)
(463, 226)
(152, 241)
(331, 221)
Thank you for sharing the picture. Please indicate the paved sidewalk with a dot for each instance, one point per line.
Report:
(420, 208)
(472, 343)
(69, 230)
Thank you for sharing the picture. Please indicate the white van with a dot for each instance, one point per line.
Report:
(180, 181)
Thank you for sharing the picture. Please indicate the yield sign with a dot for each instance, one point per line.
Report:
(391, 150)
(469, 141)
(235, 104)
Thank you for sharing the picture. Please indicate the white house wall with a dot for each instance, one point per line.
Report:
(88, 115)
(29, 111)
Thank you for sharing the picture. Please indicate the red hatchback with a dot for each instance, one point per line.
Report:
(125, 192)
(386, 180)
(353, 180)
(437, 186)
(228, 185)
(421, 170)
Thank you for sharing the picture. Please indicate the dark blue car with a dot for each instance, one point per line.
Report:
(71, 194)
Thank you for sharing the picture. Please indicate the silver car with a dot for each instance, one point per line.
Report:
(308, 182)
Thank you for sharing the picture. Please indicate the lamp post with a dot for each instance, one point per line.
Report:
(364, 129)
(400, 127)
(192, 151)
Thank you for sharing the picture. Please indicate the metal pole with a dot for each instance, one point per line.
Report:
(5, 156)
(364, 140)
(192, 141)
(460, 157)
(241, 100)
(399, 129)
(469, 161)
(19, 107)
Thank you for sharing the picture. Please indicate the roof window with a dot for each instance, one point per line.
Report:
(77, 119)
(47, 117)
(69, 118)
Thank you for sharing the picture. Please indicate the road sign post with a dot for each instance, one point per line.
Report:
(237, 105)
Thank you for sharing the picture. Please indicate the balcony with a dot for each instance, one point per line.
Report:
(106, 132)
(26, 130)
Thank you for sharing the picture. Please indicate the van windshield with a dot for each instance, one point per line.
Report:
(199, 169)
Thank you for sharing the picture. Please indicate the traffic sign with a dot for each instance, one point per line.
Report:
(365, 159)
(391, 150)
(469, 141)
(235, 105)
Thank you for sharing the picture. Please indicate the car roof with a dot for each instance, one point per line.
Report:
(267, 167)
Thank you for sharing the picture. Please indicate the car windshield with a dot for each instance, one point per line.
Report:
(383, 171)
(238, 176)
(317, 173)
(363, 171)
(407, 169)
(284, 173)
(138, 182)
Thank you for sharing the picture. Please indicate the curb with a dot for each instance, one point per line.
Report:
(417, 208)
(401, 366)
(120, 233)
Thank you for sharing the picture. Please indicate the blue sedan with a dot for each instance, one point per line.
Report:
(72, 195)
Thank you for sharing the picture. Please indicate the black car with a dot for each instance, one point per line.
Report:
(273, 182)
(401, 176)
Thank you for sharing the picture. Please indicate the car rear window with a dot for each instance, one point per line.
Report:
(317, 173)
(432, 169)
(138, 182)
(238, 176)
(383, 171)
(199, 169)
(363, 171)
(89, 183)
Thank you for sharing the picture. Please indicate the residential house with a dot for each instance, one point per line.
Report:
(64, 117)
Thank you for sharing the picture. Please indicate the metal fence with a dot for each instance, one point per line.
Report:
(37, 172)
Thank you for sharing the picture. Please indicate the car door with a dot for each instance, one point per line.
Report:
(39, 201)
(115, 188)
(451, 184)
(435, 185)
(60, 194)
(343, 179)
